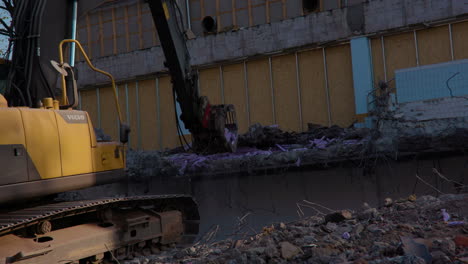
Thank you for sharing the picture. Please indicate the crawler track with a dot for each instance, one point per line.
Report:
(14, 224)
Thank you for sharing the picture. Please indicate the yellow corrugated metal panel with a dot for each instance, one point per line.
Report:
(168, 124)
(400, 53)
(89, 104)
(148, 115)
(75, 143)
(132, 111)
(40, 130)
(434, 45)
(109, 117)
(235, 93)
(258, 76)
(210, 85)
(313, 90)
(12, 129)
(285, 89)
(340, 83)
(377, 60)
(460, 40)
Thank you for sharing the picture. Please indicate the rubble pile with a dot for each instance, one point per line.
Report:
(265, 147)
(261, 147)
(264, 137)
(407, 231)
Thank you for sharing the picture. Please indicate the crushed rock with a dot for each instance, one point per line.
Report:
(388, 235)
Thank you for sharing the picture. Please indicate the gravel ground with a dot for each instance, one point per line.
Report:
(412, 230)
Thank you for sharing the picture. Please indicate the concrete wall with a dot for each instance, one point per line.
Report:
(313, 29)
(291, 90)
(286, 73)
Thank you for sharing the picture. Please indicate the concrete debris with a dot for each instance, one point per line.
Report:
(288, 250)
(388, 235)
(268, 147)
(388, 201)
(339, 216)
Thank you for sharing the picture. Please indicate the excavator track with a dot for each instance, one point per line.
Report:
(108, 228)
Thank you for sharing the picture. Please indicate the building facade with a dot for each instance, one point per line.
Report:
(285, 62)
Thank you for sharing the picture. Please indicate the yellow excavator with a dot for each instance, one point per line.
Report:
(48, 147)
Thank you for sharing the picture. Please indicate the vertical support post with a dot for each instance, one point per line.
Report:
(73, 31)
(327, 92)
(127, 108)
(384, 60)
(416, 47)
(452, 53)
(187, 10)
(247, 97)
(221, 81)
(137, 101)
(272, 90)
(98, 99)
(299, 94)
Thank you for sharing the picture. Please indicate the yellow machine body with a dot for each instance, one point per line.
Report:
(45, 151)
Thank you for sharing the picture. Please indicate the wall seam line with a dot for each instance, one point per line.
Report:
(327, 92)
(247, 97)
(272, 90)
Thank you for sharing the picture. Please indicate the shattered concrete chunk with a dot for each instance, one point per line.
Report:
(338, 216)
(288, 250)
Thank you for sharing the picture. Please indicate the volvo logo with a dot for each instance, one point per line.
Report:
(76, 117)
(73, 117)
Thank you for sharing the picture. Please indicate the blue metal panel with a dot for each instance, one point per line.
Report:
(362, 73)
(430, 82)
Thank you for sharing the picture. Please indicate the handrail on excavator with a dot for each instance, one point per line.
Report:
(78, 44)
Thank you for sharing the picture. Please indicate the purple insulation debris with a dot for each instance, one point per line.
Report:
(321, 143)
(455, 223)
(445, 215)
(281, 148)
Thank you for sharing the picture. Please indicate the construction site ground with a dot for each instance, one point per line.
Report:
(413, 230)
(297, 179)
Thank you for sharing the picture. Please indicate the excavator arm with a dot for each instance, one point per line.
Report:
(213, 127)
(37, 36)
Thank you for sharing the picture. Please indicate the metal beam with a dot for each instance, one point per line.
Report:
(327, 92)
(247, 97)
(272, 90)
(416, 47)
